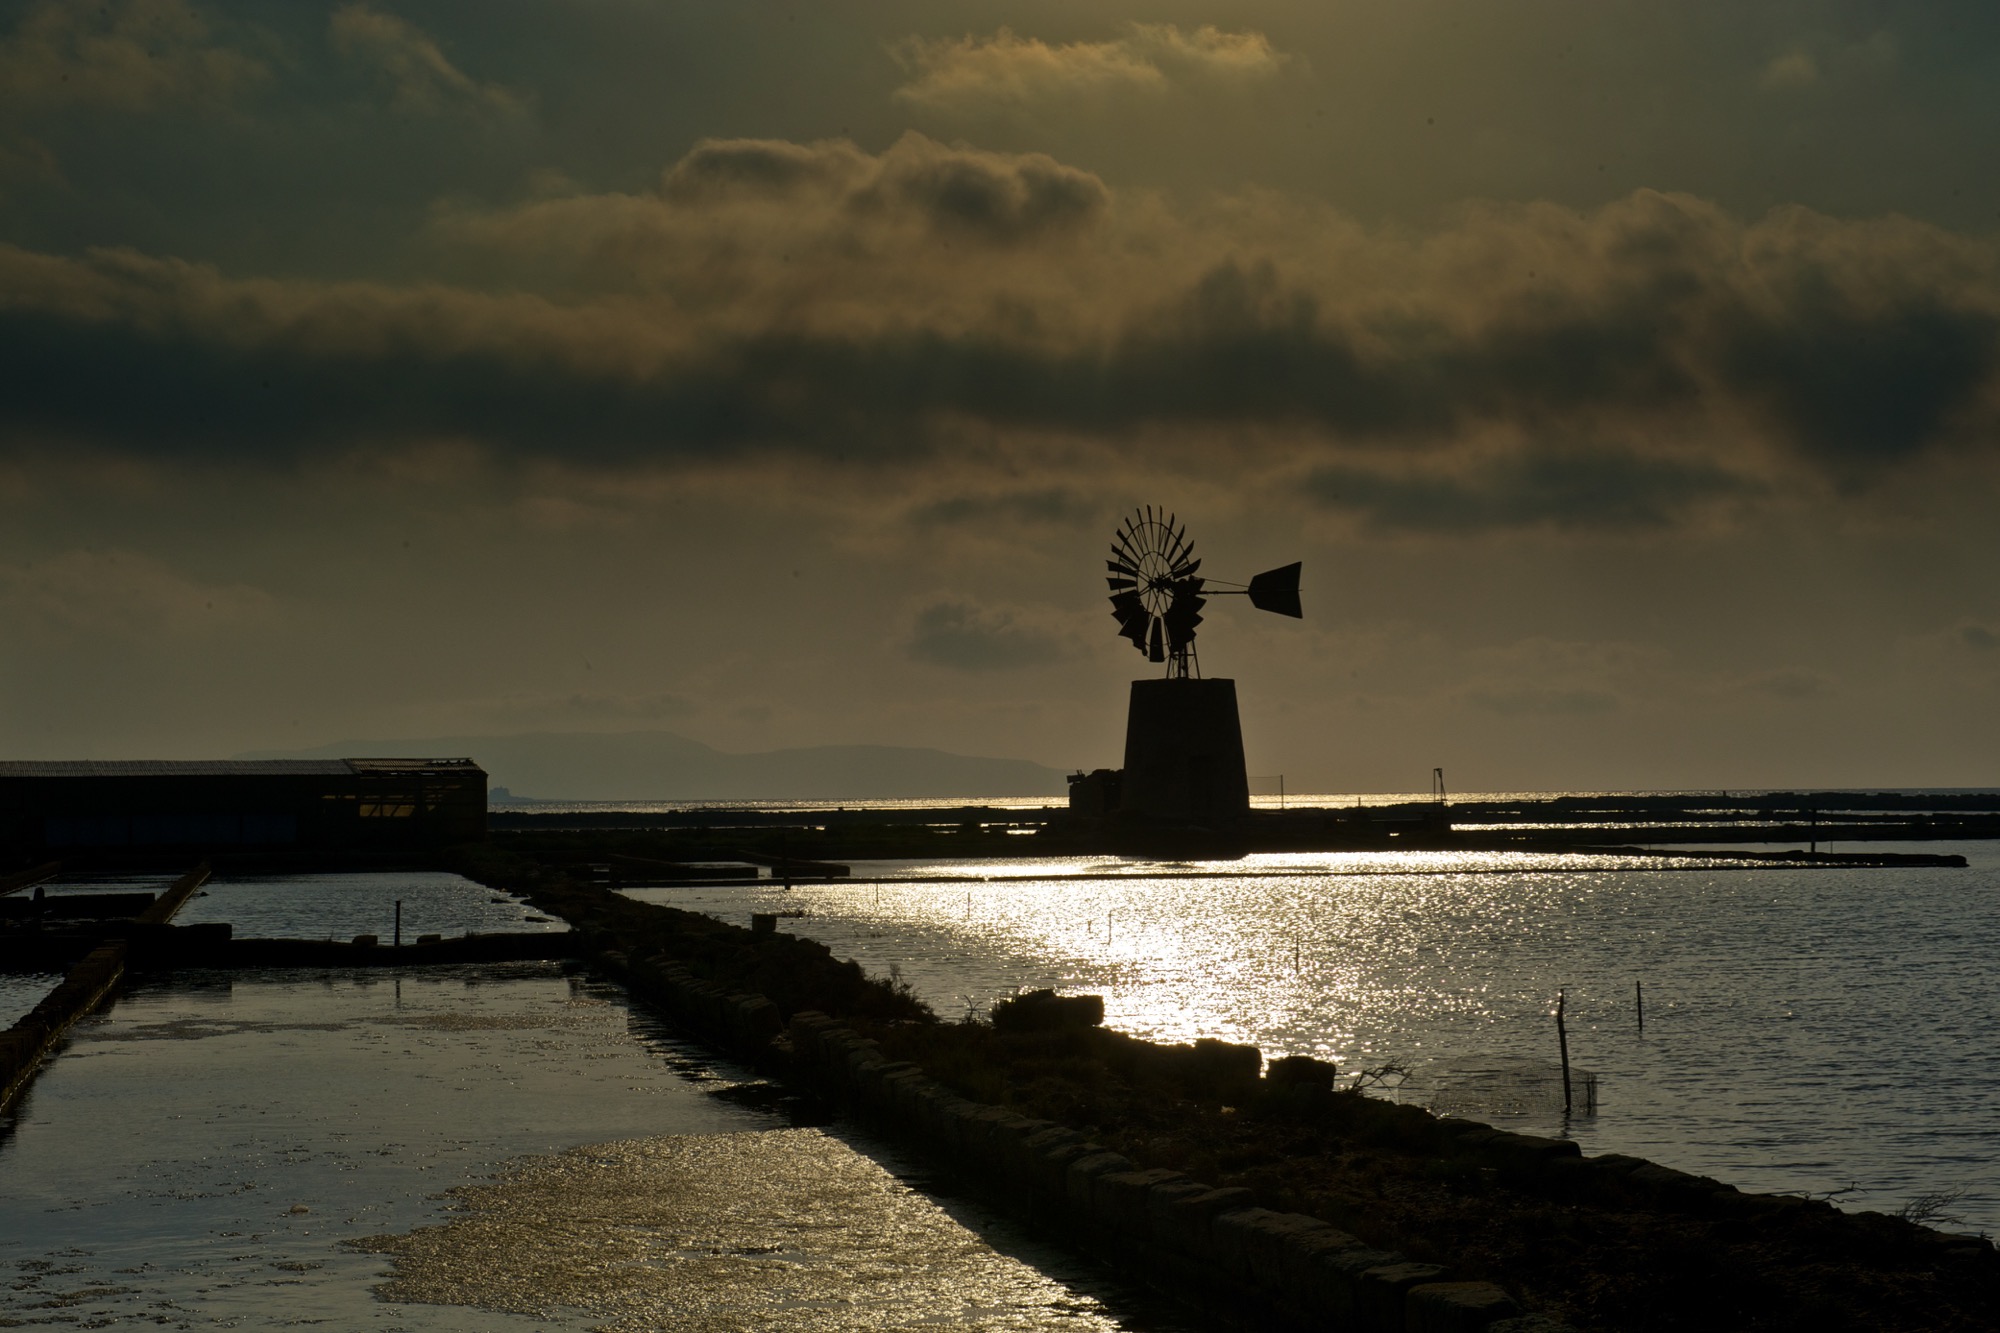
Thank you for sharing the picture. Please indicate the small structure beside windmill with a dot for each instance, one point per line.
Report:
(1183, 737)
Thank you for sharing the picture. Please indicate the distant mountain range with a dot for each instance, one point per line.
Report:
(661, 766)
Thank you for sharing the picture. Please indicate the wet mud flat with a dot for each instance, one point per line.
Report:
(495, 1147)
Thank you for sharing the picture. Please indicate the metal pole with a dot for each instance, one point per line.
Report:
(1562, 1041)
(399, 923)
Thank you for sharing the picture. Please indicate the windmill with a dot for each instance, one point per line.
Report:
(1183, 738)
(1157, 591)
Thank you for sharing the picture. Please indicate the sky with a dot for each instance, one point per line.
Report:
(1626, 377)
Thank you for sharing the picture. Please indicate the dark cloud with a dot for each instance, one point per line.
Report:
(810, 299)
(1003, 201)
(969, 638)
(1863, 388)
(418, 77)
(1978, 637)
(126, 55)
(1574, 489)
(766, 166)
(1001, 198)
(177, 394)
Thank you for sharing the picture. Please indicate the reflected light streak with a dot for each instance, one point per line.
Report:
(1763, 988)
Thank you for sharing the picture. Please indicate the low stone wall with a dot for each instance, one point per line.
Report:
(1264, 1268)
(175, 897)
(23, 1046)
(1257, 1267)
(28, 1042)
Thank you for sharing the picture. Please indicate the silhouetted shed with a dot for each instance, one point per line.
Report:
(241, 804)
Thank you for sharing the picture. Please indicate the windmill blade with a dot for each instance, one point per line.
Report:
(1120, 567)
(1185, 613)
(1277, 591)
(1132, 619)
(1116, 584)
(1187, 570)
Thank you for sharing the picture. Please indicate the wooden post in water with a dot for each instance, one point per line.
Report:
(1562, 1042)
(398, 936)
(1639, 1002)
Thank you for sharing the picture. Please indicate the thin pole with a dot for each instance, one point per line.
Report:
(1562, 1041)
(399, 923)
(1639, 1002)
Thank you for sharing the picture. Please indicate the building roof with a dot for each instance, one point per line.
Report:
(246, 768)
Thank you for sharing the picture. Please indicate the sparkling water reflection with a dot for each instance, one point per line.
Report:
(1805, 1028)
(784, 1228)
(243, 1150)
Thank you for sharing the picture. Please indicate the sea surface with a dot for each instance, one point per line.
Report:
(1265, 794)
(1808, 1030)
(509, 1147)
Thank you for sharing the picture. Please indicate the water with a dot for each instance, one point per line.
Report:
(1264, 795)
(314, 907)
(466, 1148)
(339, 907)
(20, 992)
(1806, 1029)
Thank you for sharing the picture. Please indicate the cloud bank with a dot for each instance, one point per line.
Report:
(128, 55)
(418, 75)
(1522, 366)
(970, 74)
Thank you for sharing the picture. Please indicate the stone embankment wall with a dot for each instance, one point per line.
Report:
(1258, 1267)
(23, 1046)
